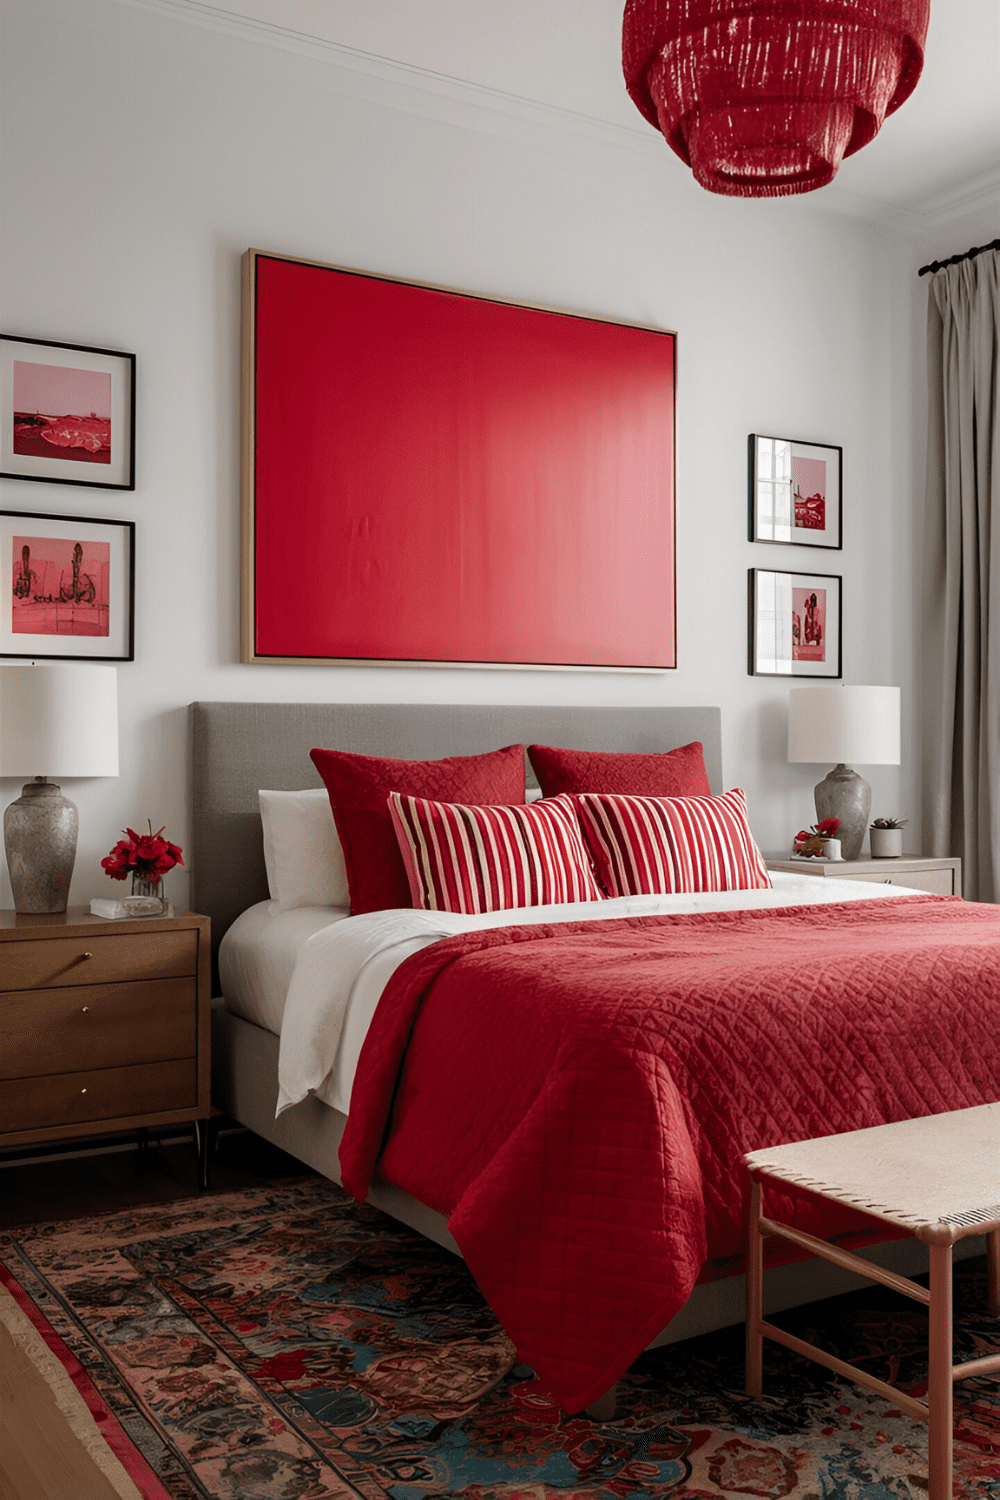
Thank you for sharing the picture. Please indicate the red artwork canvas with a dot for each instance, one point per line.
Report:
(61, 412)
(809, 492)
(808, 624)
(60, 587)
(433, 476)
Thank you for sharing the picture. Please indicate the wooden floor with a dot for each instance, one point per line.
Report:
(43, 1188)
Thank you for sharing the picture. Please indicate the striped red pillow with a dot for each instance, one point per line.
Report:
(477, 859)
(660, 845)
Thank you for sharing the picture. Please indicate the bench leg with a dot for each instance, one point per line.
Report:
(940, 1387)
(755, 1297)
(993, 1270)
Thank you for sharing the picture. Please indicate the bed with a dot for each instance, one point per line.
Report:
(239, 748)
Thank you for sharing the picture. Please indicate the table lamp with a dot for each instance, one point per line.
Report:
(842, 724)
(56, 719)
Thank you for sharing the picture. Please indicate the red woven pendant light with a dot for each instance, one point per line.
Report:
(763, 98)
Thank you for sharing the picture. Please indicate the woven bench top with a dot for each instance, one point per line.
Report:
(938, 1176)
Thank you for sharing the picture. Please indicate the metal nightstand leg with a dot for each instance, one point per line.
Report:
(202, 1129)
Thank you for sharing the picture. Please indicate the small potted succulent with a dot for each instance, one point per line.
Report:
(886, 837)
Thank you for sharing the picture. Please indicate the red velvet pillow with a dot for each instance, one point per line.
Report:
(359, 787)
(671, 773)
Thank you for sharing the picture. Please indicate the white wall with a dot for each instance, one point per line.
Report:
(142, 154)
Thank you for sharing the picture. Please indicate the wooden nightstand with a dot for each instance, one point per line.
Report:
(941, 877)
(103, 1026)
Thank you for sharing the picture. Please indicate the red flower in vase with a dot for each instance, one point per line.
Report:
(813, 843)
(147, 855)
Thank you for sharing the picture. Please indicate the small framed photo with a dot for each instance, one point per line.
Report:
(68, 587)
(796, 492)
(794, 624)
(67, 413)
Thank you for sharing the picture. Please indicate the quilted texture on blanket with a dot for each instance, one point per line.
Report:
(578, 1099)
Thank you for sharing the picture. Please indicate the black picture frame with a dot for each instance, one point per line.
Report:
(78, 438)
(777, 627)
(63, 591)
(778, 512)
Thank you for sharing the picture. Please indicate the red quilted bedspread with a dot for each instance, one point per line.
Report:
(578, 1098)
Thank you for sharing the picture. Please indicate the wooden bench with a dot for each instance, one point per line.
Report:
(938, 1178)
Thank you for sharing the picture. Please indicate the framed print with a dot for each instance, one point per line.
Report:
(436, 477)
(68, 587)
(794, 624)
(67, 413)
(796, 492)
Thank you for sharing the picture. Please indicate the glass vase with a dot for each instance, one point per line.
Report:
(152, 890)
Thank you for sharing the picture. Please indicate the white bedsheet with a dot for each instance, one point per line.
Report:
(258, 954)
(343, 968)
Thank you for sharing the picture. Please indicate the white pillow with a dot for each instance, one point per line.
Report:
(302, 850)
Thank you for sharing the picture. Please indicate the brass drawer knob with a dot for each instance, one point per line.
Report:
(83, 1091)
(85, 1009)
(86, 955)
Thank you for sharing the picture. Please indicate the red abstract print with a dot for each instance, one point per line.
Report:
(808, 624)
(809, 487)
(60, 586)
(61, 413)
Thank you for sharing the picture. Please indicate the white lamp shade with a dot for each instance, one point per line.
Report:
(59, 719)
(853, 725)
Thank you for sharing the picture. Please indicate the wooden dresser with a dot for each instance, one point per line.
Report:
(104, 1026)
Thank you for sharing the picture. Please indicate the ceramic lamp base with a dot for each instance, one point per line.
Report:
(845, 795)
(40, 831)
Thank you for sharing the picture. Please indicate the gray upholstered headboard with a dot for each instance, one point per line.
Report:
(240, 747)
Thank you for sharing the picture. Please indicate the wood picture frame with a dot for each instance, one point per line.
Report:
(795, 624)
(796, 492)
(435, 477)
(67, 413)
(68, 586)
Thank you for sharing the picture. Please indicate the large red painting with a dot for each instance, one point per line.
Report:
(431, 476)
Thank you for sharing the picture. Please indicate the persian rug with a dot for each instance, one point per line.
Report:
(285, 1343)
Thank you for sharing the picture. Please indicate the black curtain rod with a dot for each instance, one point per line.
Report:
(954, 260)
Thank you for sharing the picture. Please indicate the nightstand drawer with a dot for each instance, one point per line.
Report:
(935, 882)
(97, 1026)
(42, 963)
(105, 1094)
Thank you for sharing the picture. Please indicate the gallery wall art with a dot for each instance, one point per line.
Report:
(796, 492)
(795, 624)
(431, 476)
(67, 587)
(67, 413)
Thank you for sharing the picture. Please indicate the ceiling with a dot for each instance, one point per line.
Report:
(934, 157)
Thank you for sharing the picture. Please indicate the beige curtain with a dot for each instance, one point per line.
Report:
(961, 698)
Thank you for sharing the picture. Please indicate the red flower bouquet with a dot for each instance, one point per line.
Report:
(146, 855)
(813, 843)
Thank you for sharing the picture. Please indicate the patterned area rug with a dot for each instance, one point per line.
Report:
(283, 1343)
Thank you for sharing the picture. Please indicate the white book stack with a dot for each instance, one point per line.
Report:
(115, 908)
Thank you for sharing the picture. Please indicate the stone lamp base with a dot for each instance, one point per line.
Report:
(40, 837)
(845, 795)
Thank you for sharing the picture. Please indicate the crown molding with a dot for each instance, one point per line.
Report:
(969, 197)
(842, 201)
(411, 88)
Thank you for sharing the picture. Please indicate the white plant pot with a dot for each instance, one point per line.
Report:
(886, 843)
